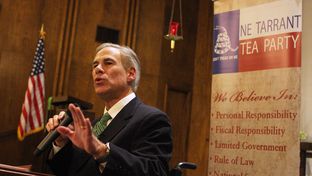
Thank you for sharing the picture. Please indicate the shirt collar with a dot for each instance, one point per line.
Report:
(116, 108)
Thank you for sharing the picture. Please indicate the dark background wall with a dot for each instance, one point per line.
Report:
(177, 82)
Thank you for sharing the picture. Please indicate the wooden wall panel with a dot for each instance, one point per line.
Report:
(149, 37)
(200, 117)
(176, 68)
(20, 22)
(178, 105)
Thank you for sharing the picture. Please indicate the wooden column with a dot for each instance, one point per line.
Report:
(198, 146)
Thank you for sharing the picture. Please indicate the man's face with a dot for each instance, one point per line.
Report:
(110, 78)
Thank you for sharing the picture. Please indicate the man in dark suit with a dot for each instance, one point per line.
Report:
(130, 139)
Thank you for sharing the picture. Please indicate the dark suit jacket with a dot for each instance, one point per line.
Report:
(140, 145)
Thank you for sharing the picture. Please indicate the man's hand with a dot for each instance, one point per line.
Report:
(82, 136)
(52, 124)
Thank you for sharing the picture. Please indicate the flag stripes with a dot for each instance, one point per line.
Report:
(32, 115)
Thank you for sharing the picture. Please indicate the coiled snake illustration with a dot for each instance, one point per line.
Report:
(223, 43)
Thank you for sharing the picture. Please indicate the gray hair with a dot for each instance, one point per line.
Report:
(128, 59)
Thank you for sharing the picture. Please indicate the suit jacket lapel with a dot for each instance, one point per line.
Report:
(120, 121)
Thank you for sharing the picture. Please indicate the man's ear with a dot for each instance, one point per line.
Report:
(131, 74)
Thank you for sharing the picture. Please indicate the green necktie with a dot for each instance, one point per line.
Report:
(100, 126)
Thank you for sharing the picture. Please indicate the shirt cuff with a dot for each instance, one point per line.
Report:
(103, 159)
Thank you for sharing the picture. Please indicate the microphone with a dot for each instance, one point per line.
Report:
(52, 135)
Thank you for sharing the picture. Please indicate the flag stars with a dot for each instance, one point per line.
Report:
(38, 64)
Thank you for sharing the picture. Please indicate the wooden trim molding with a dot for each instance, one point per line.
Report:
(176, 89)
(130, 24)
(7, 133)
(65, 49)
(13, 170)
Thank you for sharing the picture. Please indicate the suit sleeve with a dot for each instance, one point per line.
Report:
(73, 161)
(59, 163)
(150, 150)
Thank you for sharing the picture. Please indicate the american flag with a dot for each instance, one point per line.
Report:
(31, 119)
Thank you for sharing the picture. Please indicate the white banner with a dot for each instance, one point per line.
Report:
(255, 109)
